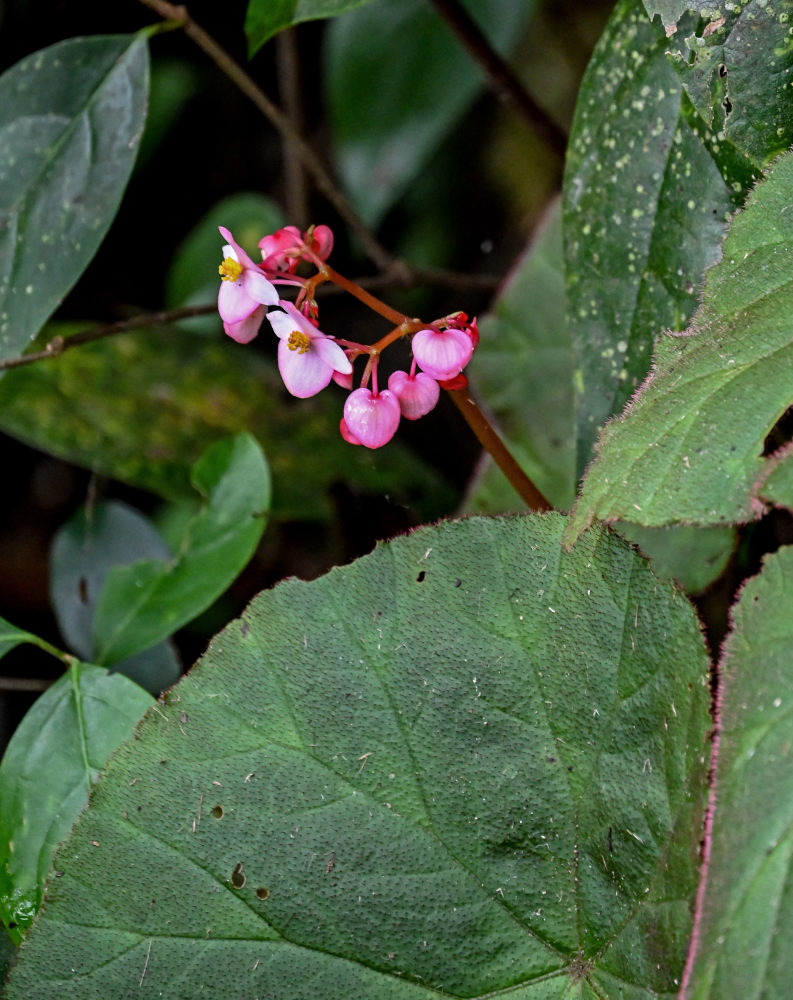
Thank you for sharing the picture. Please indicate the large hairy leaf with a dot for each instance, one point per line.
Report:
(71, 119)
(392, 104)
(644, 212)
(690, 446)
(469, 762)
(746, 920)
(53, 758)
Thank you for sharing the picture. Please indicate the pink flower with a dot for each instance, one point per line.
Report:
(320, 239)
(276, 249)
(244, 331)
(417, 393)
(442, 354)
(370, 419)
(243, 290)
(307, 358)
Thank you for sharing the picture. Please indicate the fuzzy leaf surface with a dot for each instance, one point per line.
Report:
(690, 446)
(54, 756)
(747, 918)
(71, 119)
(469, 762)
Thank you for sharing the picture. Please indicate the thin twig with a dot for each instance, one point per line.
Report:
(281, 122)
(500, 74)
(25, 683)
(289, 90)
(58, 345)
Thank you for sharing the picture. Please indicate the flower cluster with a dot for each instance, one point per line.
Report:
(309, 359)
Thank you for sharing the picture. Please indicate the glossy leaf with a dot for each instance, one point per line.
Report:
(746, 921)
(144, 603)
(392, 105)
(470, 762)
(53, 758)
(522, 369)
(85, 549)
(690, 446)
(71, 119)
(91, 407)
(644, 212)
(265, 18)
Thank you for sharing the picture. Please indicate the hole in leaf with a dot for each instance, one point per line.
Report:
(217, 812)
(722, 70)
(262, 893)
(420, 577)
(238, 878)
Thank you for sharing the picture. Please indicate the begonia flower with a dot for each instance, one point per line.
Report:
(442, 354)
(417, 393)
(243, 287)
(307, 358)
(320, 239)
(277, 246)
(371, 418)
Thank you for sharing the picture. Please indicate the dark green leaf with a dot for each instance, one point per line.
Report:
(695, 557)
(85, 549)
(690, 447)
(192, 279)
(266, 18)
(145, 603)
(471, 762)
(777, 486)
(746, 921)
(11, 637)
(71, 118)
(523, 370)
(645, 206)
(392, 104)
(91, 406)
(53, 757)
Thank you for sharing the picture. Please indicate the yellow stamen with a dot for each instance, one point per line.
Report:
(298, 341)
(230, 269)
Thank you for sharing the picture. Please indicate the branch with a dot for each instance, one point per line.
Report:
(502, 78)
(288, 64)
(281, 122)
(58, 345)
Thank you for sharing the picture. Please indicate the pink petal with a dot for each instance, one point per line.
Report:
(322, 241)
(234, 302)
(331, 354)
(373, 420)
(442, 354)
(417, 394)
(244, 331)
(242, 257)
(305, 374)
(346, 433)
(258, 287)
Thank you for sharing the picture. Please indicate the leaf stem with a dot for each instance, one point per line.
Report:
(489, 438)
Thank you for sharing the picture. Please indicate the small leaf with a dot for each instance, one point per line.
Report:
(392, 105)
(644, 211)
(265, 18)
(85, 549)
(11, 637)
(746, 920)
(523, 370)
(777, 486)
(71, 118)
(53, 758)
(142, 604)
(469, 763)
(694, 557)
(690, 446)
